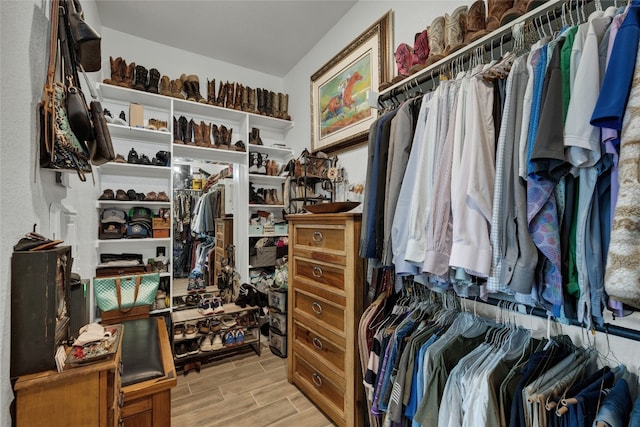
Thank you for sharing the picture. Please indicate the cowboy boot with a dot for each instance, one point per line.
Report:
(404, 59)
(274, 196)
(420, 51)
(275, 105)
(178, 137)
(237, 102)
(154, 79)
(520, 7)
(188, 132)
(476, 22)
(497, 8)
(436, 40)
(116, 77)
(228, 141)
(255, 137)
(228, 102)
(251, 108)
(268, 199)
(260, 99)
(205, 130)
(284, 107)
(186, 86)
(211, 92)
(176, 89)
(195, 88)
(223, 138)
(141, 78)
(455, 28)
(215, 133)
(245, 98)
(222, 92)
(165, 86)
(197, 133)
(127, 74)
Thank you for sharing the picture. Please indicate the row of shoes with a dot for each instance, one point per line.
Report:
(204, 134)
(448, 33)
(230, 95)
(162, 158)
(209, 342)
(261, 165)
(152, 123)
(210, 306)
(132, 195)
(263, 196)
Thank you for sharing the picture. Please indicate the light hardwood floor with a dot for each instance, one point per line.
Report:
(244, 390)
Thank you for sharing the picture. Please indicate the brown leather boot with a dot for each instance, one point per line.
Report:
(260, 102)
(229, 136)
(436, 40)
(177, 132)
(186, 87)
(274, 195)
(116, 76)
(496, 9)
(229, 99)
(224, 132)
(197, 133)
(215, 133)
(154, 80)
(520, 7)
(176, 89)
(211, 92)
(127, 72)
(205, 130)
(268, 104)
(195, 89)
(237, 102)
(222, 93)
(476, 22)
(255, 137)
(455, 25)
(275, 105)
(268, 198)
(141, 78)
(188, 133)
(284, 107)
(165, 86)
(244, 106)
(251, 108)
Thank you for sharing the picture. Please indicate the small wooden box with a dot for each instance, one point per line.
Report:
(161, 223)
(136, 115)
(159, 233)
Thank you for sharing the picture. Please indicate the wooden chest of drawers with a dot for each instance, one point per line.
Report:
(325, 299)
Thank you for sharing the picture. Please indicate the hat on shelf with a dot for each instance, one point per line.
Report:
(113, 215)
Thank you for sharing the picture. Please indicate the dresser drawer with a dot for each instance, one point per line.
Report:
(328, 315)
(332, 354)
(320, 236)
(326, 391)
(321, 273)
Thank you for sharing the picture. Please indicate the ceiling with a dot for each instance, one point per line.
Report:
(267, 36)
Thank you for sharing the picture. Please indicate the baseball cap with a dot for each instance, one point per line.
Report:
(113, 215)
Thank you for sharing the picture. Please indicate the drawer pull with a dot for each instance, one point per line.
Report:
(317, 379)
(121, 399)
(317, 343)
(317, 308)
(317, 236)
(316, 272)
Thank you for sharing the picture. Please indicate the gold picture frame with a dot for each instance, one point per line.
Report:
(340, 112)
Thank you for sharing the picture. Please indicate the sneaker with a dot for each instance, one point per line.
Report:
(217, 306)
(178, 331)
(206, 343)
(200, 285)
(191, 331)
(216, 343)
(194, 347)
(229, 339)
(181, 349)
(206, 307)
(239, 336)
(203, 327)
(192, 287)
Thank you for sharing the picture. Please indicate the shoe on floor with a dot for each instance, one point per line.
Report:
(206, 343)
(194, 346)
(229, 339)
(216, 343)
(239, 337)
(181, 349)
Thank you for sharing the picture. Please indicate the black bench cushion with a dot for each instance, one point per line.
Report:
(141, 355)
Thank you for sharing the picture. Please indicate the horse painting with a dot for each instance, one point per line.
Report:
(338, 103)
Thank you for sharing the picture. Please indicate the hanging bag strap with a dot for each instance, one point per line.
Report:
(48, 98)
(119, 293)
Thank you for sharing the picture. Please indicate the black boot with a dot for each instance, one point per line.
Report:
(183, 124)
(188, 133)
(255, 137)
(154, 79)
(268, 104)
(260, 101)
(177, 132)
(140, 82)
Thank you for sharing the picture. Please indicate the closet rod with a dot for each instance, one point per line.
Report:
(551, 10)
(619, 331)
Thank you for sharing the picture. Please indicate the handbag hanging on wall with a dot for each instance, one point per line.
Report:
(125, 292)
(86, 41)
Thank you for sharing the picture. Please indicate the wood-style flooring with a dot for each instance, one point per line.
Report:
(243, 390)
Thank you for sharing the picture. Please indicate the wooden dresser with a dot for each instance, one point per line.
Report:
(78, 396)
(326, 301)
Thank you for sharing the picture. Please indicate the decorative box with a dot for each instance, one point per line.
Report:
(278, 321)
(159, 233)
(277, 343)
(255, 230)
(278, 300)
(161, 223)
(264, 257)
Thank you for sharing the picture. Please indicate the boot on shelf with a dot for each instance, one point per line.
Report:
(254, 197)
(176, 89)
(255, 137)
(215, 133)
(251, 108)
(116, 76)
(222, 93)
(520, 7)
(237, 103)
(154, 79)
(495, 9)
(211, 92)
(197, 133)
(178, 137)
(244, 106)
(454, 29)
(268, 106)
(188, 133)
(404, 59)
(268, 198)
(195, 89)
(228, 140)
(224, 132)
(141, 78)
(128, 72)
(476, 22)
(205, 130)
(274, 196)
(284, 107)
(165, 86)
(275, 105)
(228, 102)
(260, 100)
(436, 40)
(420, 51)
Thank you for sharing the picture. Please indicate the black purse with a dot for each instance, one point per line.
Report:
(86, 41)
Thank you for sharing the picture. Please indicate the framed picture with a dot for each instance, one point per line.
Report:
(340, 113)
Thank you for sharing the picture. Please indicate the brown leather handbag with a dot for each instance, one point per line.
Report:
(86, 41)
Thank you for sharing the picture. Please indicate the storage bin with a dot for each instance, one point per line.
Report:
(281, 228)
(159, 233)
(255, 230)
(264, 257)
(277, 343)
(161, 223)
(278, 300)
(278, 321)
